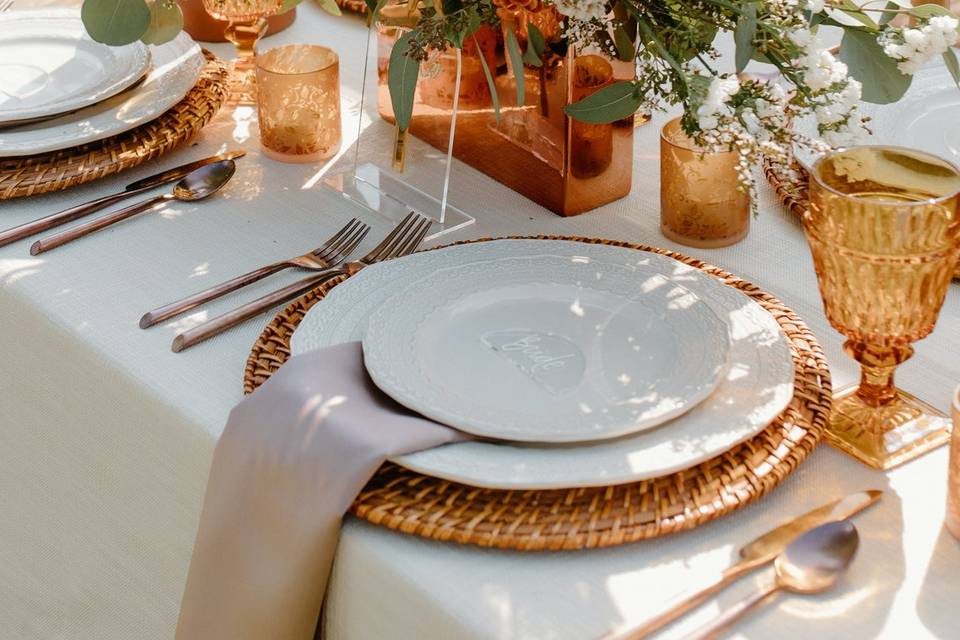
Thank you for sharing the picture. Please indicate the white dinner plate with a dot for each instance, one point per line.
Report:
(757, 385)
(49, 65)
(925, 118)
(176, 67)
(546, 348)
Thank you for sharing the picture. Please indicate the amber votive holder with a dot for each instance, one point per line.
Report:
(953, 475)
(701, 201)
(298, 102)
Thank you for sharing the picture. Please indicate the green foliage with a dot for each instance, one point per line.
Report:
(115, 22)
(536, 45)
(614, 102)
(402, 77)
(516, 62)
(882, 81)
(950, 59)
(744, 35)
(166, 21)
(490, 83)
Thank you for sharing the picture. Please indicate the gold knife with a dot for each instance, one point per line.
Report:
(132, 189)
(753, 555)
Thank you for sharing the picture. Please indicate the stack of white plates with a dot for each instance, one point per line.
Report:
(574, 364)
(60, 89)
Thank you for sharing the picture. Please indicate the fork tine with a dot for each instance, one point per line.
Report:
(414, 238)
(390, 250)
(331, 249)
(332, 242)
(353, 241)
(400, 228)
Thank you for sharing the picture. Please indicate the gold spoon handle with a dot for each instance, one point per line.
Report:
(734, 613)
(685, 603)
(71, 234)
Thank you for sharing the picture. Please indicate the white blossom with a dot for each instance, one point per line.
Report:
(582, 10)
(913, 47)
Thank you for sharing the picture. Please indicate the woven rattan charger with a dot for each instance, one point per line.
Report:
(57, 170)
(590, 517)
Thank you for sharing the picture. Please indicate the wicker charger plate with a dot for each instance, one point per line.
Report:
(407, 501)
(57, 170)
(356, 6)
(791, 184)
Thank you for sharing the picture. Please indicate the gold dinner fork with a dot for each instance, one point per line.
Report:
(403, 240)
(329, 254)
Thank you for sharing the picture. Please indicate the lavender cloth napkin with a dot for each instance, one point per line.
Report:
(291, 460)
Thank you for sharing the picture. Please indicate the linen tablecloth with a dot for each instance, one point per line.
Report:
(106, 436)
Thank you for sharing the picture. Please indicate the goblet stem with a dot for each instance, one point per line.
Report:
(877, 366)
(245, 35)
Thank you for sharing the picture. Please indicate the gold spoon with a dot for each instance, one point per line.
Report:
(198, 184)
(810, 564)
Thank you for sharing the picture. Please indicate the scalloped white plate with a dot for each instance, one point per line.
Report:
(757, 386)
(546, 348)
(176, 67)
(49, 65)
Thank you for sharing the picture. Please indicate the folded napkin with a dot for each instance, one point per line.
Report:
(291, 460)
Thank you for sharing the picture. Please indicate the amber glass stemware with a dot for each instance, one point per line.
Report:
(885, 236)
(247, 23)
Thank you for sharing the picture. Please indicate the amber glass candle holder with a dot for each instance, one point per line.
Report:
(701, 202)
(885, 237)
(246, 24)
(298, 103)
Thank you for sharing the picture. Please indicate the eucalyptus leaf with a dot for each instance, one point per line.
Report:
(516, 61)
(624, 43)
(402, 77)
(744, 34)
(166, 21)
(330, 6)
(929, 11)
(490, 83)
(286, 5)
(614, 102)
(115, 22)
(889, 13)
(877, 72)
(950, 59)
(536, 45)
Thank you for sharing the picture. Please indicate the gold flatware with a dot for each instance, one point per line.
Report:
(753, 555)
(403, 240)
(812, 563)
(328, 255)
(139, 186)
(199, 184)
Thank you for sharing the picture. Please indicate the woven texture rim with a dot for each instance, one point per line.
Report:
(568, 519)
(58, 170)
(794, 194)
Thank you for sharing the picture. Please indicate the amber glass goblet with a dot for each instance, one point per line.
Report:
(247, 23)
(885, 236)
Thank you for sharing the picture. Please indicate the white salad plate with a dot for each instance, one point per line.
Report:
(176, 67)
(756, 387)
(546, 348)
(925, 118)
(49, 65)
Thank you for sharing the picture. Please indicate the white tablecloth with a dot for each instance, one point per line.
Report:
(106, 436)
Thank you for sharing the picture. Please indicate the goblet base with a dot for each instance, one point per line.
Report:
(888, 436)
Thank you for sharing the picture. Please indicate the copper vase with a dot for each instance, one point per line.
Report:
(566, 166)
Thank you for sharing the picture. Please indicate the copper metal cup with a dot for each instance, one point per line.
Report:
(298, 103)
(701, 202)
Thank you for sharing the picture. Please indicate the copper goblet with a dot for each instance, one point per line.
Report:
(885, 236)
(247, 23)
